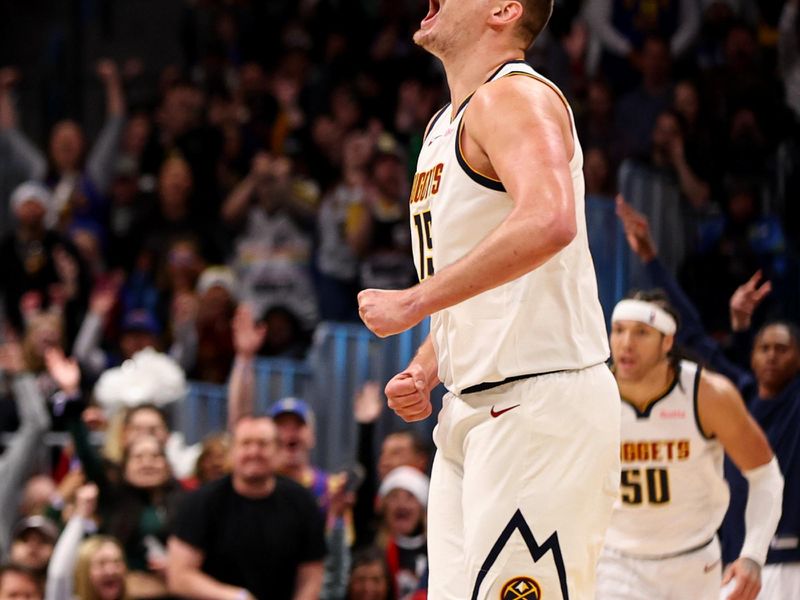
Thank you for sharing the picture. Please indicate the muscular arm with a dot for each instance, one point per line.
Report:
(530, 154)
(185, 578)
(308, 583)
(723, 414)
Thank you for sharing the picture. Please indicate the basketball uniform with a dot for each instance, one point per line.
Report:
(661, 544)
(526, 469)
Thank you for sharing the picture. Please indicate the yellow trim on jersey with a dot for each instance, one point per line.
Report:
(552, 86)
(464, 158)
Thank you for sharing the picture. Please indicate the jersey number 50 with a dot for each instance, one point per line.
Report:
(637, 482)
(423, 225)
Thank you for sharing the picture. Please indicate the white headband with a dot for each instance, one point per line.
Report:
(647, 313)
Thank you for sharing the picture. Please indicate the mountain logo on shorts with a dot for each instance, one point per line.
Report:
(537, 551)
(521, 588)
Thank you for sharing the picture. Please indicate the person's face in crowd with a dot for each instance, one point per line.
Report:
(133, 341)
(656, 62)
(741, 49)
(398, 450)
(687, 102)
(136, 134)
(636, 349)
(37, 495)
(213, 461)
(145, 422)
(742, 207)
(345, 109)
(32, 549)
(596, 171)
(368, 582)
(177, 112)
(389, 176)
(402, 512)
(30, 214)
(107, 572)
(16, 586)
(665, 131)
(146, 465)
(295, 440)
(253, 452)
(66, 146)
(184, 264)
(775, 358)
(174, 186)
(600, 105)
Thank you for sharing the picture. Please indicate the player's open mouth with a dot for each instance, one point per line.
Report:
(433, 10)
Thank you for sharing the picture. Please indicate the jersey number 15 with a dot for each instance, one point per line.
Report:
(423, 226)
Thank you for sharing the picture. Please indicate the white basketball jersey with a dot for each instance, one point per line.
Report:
(673, 495)
(547, 320)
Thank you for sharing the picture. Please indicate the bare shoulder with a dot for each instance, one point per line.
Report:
(528, 97)
(520, 108)
(717, 391)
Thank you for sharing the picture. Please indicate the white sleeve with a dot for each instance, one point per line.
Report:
(764, 502)
(598, 17)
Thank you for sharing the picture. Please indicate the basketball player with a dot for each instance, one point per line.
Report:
(677, 421)
(527, 466)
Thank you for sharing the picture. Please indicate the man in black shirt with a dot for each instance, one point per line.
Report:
(251, 535)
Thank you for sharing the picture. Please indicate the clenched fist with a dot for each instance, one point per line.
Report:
(409, 394)
(387, 312)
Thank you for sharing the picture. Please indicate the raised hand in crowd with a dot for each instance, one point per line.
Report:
(86, 501)
(64, 371)
(104, 297)
(109, 75)
(248, 335)
(746, 299)
(368, 403)
(637, 230)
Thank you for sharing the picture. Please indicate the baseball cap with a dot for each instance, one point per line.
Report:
(140, 319)
(292, 406)
(217, 276)
(38, 523)
(409, 479)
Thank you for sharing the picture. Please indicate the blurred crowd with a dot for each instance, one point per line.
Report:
(232, 203)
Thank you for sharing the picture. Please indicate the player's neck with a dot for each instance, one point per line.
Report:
(467, 71)
(653, 385)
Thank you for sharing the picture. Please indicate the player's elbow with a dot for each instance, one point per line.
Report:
(560, 231)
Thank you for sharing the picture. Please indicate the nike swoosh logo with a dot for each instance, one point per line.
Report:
(710, 567)
(497, 413)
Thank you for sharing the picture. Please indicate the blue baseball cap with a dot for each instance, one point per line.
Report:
(140, 319)
(292, 406)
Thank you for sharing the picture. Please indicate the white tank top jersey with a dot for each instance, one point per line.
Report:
(547, 320)
(673, 494)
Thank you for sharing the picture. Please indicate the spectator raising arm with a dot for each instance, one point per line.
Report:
(102, 159)
(23, 154)
(248, 336)
(18, 457)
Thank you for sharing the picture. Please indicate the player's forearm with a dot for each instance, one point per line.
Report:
(193, 583)
(426, 358)
(519, 245)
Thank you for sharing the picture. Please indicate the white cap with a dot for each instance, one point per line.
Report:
(34, 191)
(409, 479)
(217, 276)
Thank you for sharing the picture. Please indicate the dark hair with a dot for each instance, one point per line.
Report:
(25, 572)
(535, 15)
(418, 443)
(370, 555)
(792, 328)
(660, 299)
